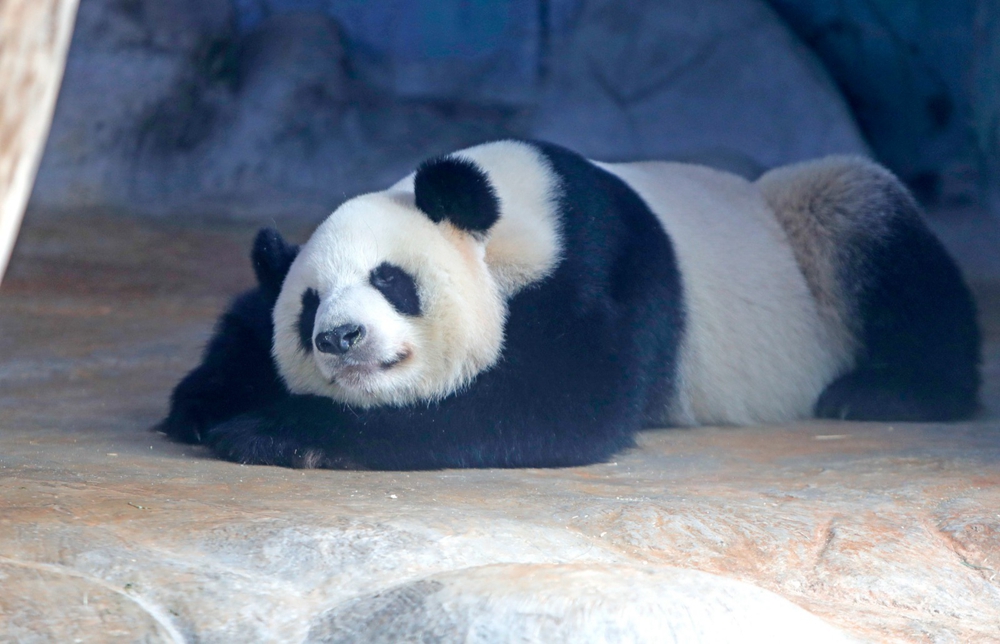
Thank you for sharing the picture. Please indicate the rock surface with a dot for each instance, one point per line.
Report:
(986, 97)
(676, 79)
(810, 532)
(180, 107)
(922, 80)
(442, 50)
(905, 70)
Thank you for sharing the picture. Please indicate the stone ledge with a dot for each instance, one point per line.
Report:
(889, 533)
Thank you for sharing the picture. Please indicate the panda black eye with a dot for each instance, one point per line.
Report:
(307, 318)
(397, 286)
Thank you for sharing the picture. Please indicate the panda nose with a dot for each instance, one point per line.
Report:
(340, 339)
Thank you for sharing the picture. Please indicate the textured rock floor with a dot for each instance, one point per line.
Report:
(109, 533)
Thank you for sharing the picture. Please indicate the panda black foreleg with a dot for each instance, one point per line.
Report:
(236, 373)
(501, 422)
(297, 431)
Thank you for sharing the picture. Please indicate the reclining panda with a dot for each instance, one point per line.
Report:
(517, 305)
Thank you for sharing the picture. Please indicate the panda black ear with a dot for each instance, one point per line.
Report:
(456, 190)
(272, 256)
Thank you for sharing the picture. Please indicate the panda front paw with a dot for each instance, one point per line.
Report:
(248, 440)
(185, 423)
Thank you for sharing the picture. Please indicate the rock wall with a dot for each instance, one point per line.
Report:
(712, 80)
(270, 108)
(986, 98)
(921, 77)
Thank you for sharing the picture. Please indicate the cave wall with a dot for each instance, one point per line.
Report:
(271, 108)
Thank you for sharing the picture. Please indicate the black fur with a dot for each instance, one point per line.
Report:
(398, 287)
(458, 191)
(920, 345)
(271, 258)
(237, 373)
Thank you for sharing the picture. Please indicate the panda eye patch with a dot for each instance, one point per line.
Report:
(397, 286)
(307, 318)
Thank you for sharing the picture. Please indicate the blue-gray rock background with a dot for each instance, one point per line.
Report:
(278, 108)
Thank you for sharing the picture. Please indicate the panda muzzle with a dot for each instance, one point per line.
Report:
(340, 340)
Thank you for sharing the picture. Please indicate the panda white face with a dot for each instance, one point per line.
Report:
(383, 306)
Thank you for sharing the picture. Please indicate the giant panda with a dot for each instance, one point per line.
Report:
(515, 304)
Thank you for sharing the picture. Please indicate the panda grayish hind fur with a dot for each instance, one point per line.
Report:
(517, 305)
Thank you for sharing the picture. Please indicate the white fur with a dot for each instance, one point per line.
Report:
(755, 349)
(463, 281)
(459, 333)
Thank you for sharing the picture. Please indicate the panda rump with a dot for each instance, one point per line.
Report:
(558, 305)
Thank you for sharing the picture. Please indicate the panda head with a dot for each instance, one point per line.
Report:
(392, 301)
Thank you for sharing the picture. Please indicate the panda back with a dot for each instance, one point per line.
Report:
(755, 348)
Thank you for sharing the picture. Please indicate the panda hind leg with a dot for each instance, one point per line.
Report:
(237, 373)
(877, 395)
(920, 343)
(867, 253)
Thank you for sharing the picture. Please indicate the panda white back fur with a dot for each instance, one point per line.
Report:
(755, 349)
(514, 304)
